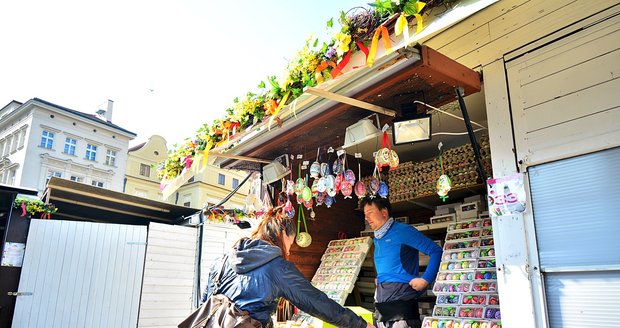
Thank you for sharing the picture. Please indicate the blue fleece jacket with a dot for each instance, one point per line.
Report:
(397, 257)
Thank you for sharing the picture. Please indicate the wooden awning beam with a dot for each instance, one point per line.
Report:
(350, 101)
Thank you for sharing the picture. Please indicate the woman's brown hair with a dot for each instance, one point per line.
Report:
(273, 227)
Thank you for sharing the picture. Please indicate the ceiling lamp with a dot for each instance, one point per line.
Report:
(276, 170)
(411, 126)
(361, 132)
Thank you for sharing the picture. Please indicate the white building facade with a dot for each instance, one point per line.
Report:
(39, 139)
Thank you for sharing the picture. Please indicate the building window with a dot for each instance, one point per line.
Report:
(15, 142)
(145, 170)
(91, 152)
(77, 179)
(110, 157)
(221, 179)
(9, 142)
(187, 204)
(235, 183)
(53, 174)
(70, 146)
(97, 183)
(47, 139)
(11, 178)
(2, 143)
(22, 138)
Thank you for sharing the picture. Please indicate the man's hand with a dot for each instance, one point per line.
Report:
(370, 325)
(418, 284)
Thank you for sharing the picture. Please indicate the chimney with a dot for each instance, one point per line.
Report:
(108, 112)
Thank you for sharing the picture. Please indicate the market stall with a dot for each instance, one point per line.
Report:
(318, 155)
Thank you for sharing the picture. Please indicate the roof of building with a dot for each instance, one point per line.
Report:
(137, 147)
(79, 201)
(91, 117)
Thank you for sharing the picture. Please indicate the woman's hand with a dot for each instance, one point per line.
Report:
(418, 284)
(369, 325)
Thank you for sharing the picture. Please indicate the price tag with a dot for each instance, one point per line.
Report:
(340, 152)
(300, 156)
(330, 150)
(303, 167)
(305, 163)
(358, 155)
(374, 154)
(385, 128)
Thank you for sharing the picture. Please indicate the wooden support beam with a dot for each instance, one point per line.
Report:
(350, 101)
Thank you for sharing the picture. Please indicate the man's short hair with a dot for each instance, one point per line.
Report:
(380, 202)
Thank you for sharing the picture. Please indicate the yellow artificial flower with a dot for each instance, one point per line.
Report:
(342, 43)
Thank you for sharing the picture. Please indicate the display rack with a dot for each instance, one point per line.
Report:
(340, 266)
(466, 285)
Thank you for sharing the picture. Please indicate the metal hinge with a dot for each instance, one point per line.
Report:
(136, 243)
(19, 293)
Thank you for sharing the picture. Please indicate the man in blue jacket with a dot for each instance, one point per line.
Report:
(396, 257)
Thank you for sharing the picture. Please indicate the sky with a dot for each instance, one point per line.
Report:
(169, 66)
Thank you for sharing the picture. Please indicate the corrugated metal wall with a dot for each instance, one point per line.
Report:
(168, 275)
(81, 274)
(576, 218)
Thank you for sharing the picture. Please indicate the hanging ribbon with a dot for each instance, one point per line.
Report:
(387, 44)
(419, 6)
(277, 110)
(402, 27)
(341, 65)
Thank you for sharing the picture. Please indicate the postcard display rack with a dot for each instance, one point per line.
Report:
(340, 266)
(466, 285)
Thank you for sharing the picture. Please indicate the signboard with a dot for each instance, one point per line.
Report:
(506, 195)
(13, 254)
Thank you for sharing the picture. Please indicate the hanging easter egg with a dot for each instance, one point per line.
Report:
(394, 161)
(324, 169)
(360, 189)
(290, 187)
(320, 198)
(338, 181)
(308, 203)
(383, 190)
(331, 185)
(349, 175)
(315, 187)
(299, 199)
(383, 157)
(315, 170)
(329, 200)
(289, 210)
(373, 185)
(299, 185)
(321, 185)
(306, 193)
(337, 167)
(346, 189)
(303, 239)
(443, 186)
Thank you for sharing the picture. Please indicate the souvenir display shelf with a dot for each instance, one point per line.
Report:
(340, 266)
(411, 181)
(466, 285)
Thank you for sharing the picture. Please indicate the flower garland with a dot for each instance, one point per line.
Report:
(34, 206)
(312, 65)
